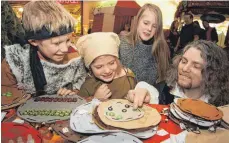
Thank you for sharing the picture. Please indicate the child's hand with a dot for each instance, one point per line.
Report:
(65, 91)
(138, 96)
(103, 92)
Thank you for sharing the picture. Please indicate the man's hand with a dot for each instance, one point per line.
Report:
(138, 96)
(65, 91)
(103, 92)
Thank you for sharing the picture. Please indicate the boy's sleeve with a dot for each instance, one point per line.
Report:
(9, 82)
(80, 75)
(8, 79)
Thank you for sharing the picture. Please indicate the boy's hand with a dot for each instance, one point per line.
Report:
(65, 91)
(103, 92)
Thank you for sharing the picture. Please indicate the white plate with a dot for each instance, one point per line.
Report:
(81, 121)
(111, 138)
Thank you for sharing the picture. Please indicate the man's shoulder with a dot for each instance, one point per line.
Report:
(124, 41)
(183, 29)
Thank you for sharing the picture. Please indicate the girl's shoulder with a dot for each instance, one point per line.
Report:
(124, 44)
(124, 40)
(130, 73)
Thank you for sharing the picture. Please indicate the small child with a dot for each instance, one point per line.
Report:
(107, 78)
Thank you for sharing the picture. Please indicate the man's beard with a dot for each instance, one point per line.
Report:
(184, 86)
(189, 86)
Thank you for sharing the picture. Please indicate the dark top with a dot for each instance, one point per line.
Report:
(214, 35)
(187, 35)
(173, 37)
(165, 97)
(226, 49)
(201, 33)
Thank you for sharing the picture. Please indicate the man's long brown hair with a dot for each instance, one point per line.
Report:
(215, 73)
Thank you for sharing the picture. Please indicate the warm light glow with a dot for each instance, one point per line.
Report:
(221, 27)
(168, 8)
(20, 9)
(106, 3)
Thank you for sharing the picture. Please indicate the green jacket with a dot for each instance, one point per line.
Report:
(119, 87)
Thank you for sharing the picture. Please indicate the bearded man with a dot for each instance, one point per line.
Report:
(200, 72)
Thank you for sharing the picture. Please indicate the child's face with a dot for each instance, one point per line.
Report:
(54, 48)
(105, 68)
(147, 25)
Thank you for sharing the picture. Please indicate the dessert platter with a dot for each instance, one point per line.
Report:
(49, 108)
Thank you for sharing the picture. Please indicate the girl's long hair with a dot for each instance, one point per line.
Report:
(160, 48)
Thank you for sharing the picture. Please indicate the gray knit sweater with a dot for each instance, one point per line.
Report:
(140, 60)
(56, 75)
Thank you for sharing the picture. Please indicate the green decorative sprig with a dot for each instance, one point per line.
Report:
(7, 94)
